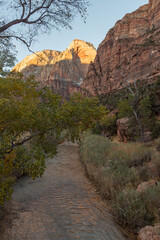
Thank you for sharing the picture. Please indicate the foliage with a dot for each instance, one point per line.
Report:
(131, 210)
(94, 149)
(111, 99)
(156, 163)
(138, 101)
(31, 121)
(78, 114)
(148, 116)
(106, 125)
(7, 56)
(124, 109)
(158, 144)
(156, 130)
(140, 104)
(117, 169)
(151, 198)
(131, 154)
(108, 122)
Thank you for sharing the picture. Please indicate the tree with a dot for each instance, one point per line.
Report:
(7, 55)
(136, 93)
(138, 103)
(28, 18)
(31, 121)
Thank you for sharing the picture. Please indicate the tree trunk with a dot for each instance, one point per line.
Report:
(139, 125)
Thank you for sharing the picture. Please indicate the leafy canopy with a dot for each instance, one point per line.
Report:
(31, 121)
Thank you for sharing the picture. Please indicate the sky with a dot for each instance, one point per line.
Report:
(102, 15)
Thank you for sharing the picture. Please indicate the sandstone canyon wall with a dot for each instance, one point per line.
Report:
(62, 71)
(130, 48)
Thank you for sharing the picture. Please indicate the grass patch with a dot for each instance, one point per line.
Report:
(131, 210)
(117, 169)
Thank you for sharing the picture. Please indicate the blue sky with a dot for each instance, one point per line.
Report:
(102, 15)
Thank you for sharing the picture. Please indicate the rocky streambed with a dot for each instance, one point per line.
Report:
(62, 205)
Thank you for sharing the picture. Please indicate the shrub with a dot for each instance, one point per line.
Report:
(131, 154)
(156, 163)
(156, 131)
(131, 210)
(118, 176)
(145, 173)
(158, 144)
(117, 169)
(147, 114)
(151, 197)
(97, 128)
(106, 125)
(124, 109)
(109, 123)
(94, 149)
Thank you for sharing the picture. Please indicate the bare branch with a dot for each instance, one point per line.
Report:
(23, 9)
(25, 43)
(30, 5)
(52, 12)
(128, 86)
(10, 24)
(13, 145)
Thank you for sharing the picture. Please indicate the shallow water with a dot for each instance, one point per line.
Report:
(62, 205)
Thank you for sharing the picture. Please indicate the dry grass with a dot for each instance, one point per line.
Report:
(117, 169)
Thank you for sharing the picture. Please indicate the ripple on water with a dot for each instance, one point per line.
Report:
(62, 205)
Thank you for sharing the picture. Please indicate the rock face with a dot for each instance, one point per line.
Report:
(62, 71)
(149, 233)
(142, 187)
(131, 48)
(122, 127)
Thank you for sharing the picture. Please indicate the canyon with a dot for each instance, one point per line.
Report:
(130, 50)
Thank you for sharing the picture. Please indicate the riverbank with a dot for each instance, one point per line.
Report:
(127, 176)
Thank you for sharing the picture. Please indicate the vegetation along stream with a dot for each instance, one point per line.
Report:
(62, 205)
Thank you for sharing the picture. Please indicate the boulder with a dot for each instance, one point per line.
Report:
(122, 127)
(144, 185)
(149, 233)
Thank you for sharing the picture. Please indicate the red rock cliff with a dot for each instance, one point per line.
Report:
(62, 71)
(131, 47)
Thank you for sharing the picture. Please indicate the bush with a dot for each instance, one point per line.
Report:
(151, 197)
(94, 149)
(109, 123)
(106, 125)
(131, 154)
(117, 169)
(118, 176)
(131, 210)
(156, 163)
(156, 131)
(122, 164)
(158, 144)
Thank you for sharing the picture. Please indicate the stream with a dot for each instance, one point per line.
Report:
(61, 205)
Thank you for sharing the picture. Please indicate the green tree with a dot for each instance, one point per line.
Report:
(124, 109)
(7, 56)
(31, 121)
(139, 104)
(137, 91)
